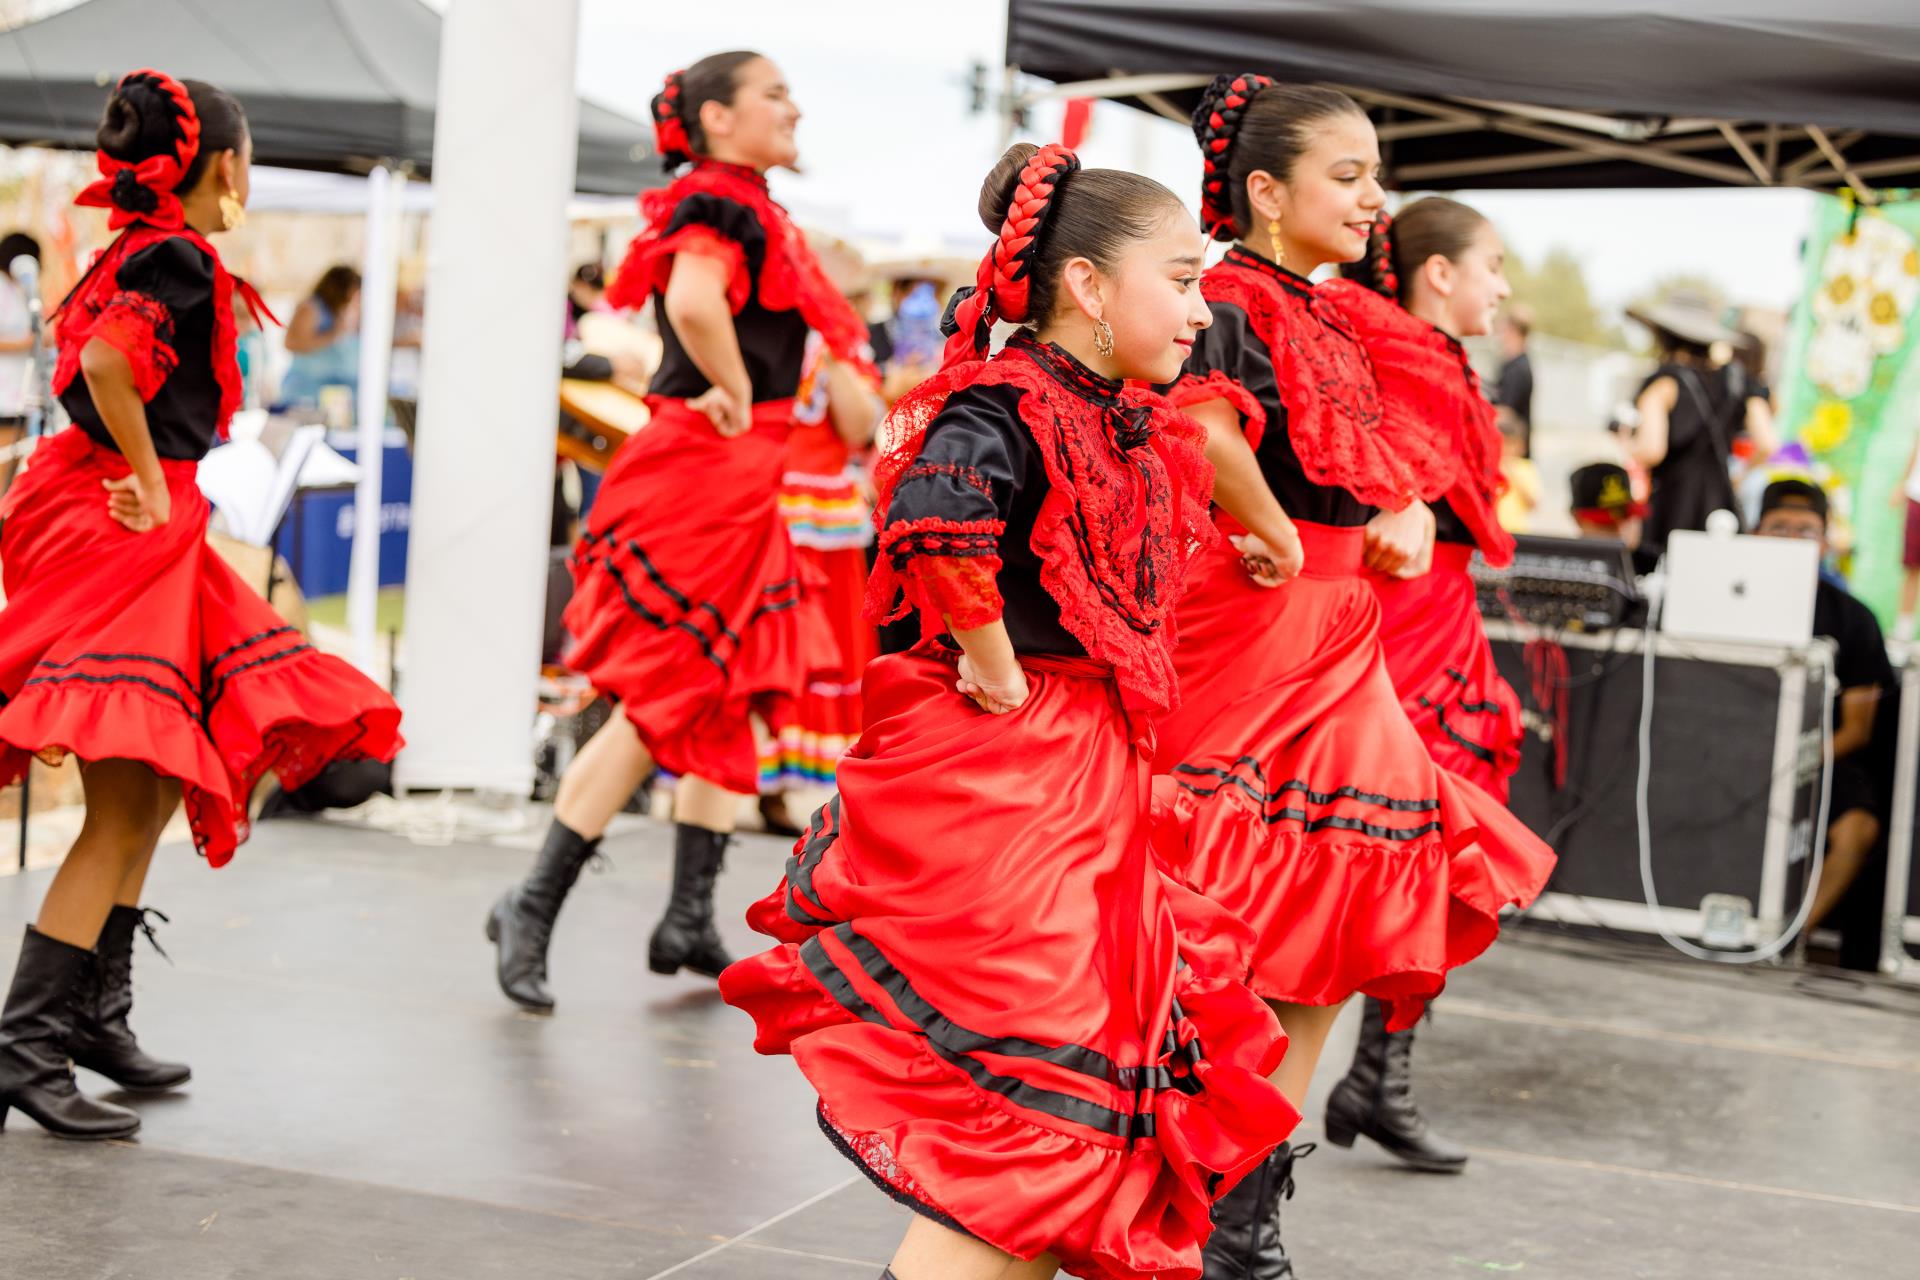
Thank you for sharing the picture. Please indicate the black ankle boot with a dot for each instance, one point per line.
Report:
(1376, 1099)
(1245, 1244)
(35, 1028)
(685, 937)
(522, 921)
(102, 1041)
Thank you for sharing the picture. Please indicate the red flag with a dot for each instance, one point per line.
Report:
(1073, 126)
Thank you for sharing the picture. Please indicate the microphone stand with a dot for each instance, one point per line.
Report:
(37, 399)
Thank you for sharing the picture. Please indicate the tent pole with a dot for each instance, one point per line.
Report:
(378, 280)
(1009, 106)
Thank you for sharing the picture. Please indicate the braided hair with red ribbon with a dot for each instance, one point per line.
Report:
(669, 126)
(1381, 275)
(1002, 289)
(1216, 126)
(143, 190)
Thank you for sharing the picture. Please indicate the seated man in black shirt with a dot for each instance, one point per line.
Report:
(1798, 509)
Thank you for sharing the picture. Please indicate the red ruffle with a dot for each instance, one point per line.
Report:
(1296, 795)
(1442, 667)
(1217, 385)
(98, 307)
(1429, 391)
(1100, 1055)
(1327, 384)
(117, 645)
(141, 329)
(948, 567)
(791, 277)
(1116, 529)
(690, 606)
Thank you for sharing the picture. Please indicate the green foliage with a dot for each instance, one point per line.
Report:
(1556, 293)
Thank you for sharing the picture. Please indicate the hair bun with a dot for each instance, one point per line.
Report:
(997, 192)
(140, 122)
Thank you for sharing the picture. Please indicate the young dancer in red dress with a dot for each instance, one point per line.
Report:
(126, 641)
(1431, 279)
(1297, 794)
(687, 608)
(1015, 1025)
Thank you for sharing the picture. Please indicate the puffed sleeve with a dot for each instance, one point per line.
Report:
(1229, 363)
(155, 288)
(950, 507)
(717, 227)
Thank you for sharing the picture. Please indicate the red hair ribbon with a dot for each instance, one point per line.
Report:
(157, 175)
(1002, 287)
(669, 129)
(1216, 123)
(1386, 279)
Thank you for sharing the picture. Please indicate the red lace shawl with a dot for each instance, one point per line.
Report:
(1428, 385)
(791, 277)
(138, 326)
(1125, 511)
(1335, 421)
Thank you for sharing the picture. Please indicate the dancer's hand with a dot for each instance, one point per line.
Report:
(996, 693)
(141, 505)
(729, 415)
(1271, 564)
(1401, 542)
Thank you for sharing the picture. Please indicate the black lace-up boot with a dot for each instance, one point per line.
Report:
(102, 1040)
(35, 1029)
(521, 924)
(1376, 1099)
(1246, 1222)
(685, 937)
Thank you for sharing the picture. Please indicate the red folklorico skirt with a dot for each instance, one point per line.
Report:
(1442, 666)
(116, 645)
(1016, 1024)
(1292, 789)
(688, 606)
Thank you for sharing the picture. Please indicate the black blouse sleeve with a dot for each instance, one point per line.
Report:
(950, 506)
(157, 287)
(1228, 357)
(705, 216)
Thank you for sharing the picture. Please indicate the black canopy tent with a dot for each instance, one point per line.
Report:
(340, 85)
(1534, 93)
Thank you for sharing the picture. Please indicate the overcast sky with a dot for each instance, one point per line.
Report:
(890, 149)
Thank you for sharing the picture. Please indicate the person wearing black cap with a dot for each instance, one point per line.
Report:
(1604, 507)
(1796, 508)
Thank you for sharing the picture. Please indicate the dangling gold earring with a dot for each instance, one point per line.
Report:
(233, 214)
(1102, 338)
(1273, 234)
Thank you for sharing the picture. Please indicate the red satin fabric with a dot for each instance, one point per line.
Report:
(688, 605)
(117, 645)
(975, 945)
(1442, 667)
(1292, 790)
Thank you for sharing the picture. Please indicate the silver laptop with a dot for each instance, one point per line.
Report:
(1740, 587)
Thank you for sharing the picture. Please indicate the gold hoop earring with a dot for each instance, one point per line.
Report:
(233, 214)
(1273, 235)
(1102, 338)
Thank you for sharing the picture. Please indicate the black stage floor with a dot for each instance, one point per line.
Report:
(364, 1104)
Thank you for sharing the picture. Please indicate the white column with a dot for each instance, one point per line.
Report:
(503, 169)
(379, 270)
